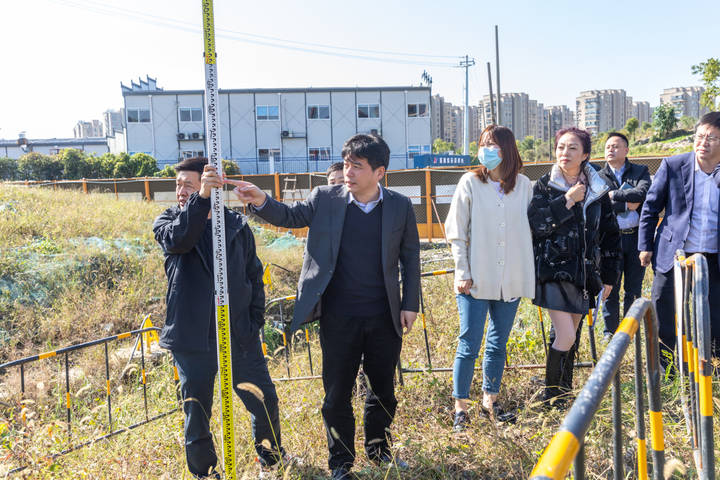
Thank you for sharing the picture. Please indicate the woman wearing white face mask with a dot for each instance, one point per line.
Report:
(492, 247)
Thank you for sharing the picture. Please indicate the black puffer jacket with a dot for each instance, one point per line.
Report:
(185, 238)
(563, 238)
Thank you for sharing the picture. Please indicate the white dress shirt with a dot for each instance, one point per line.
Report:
(366, 207)
(703, 233)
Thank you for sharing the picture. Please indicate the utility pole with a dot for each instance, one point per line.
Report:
(497, 71)
(492, 99)
(467, 63)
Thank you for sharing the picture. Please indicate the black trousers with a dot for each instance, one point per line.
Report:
(197, 371)
(664, 300)
(347, 340)
(633, 274)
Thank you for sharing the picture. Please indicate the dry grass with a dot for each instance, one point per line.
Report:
(422, 429)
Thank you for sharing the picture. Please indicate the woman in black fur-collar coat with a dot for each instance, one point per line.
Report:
(576, 242)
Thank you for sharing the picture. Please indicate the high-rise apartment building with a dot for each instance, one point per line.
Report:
(686, 101)
(602, 110)
(91, 129)
(559, 116)
(642, 111)
(524, 116)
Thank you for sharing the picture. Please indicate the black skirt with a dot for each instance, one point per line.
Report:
(562, 296)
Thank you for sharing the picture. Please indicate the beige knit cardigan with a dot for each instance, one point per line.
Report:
(491, 239)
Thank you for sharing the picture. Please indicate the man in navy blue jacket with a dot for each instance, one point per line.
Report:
(686, 187)
(185, 236)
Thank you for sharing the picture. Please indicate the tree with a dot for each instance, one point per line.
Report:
(687, 123)
(441, 146)
(631, 126)
(36, 166)
(8, 168)
(473, 149)
(664, 120)
(123, 166)
(230, 167)
(167, 172)
(709, 70)
(74, 164)
(144, 164)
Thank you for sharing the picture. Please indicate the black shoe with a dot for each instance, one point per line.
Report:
(341, 473)
(461, 421)
(387, 460)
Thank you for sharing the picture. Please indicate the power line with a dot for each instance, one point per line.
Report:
(273, 42)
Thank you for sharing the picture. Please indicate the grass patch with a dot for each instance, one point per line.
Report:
(105, 287)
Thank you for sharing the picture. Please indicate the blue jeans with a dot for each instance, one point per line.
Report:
(473, 313)
(197, 371)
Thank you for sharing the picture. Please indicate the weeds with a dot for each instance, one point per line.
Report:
(110, 288)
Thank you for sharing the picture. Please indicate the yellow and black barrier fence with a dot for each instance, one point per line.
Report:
(693, 357)
(567, 445)
(64, 354)
(283, 323)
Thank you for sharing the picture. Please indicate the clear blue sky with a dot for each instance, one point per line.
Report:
(64, 59)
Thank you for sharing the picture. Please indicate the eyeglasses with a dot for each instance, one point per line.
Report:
(711, 139)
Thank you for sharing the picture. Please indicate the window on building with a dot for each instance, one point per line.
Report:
(191, 114)
(267, 112)
(138, 115)
(417, 110)
(371, 110)
(319, 153)
(191, 153)
(318, 112)
(264, 154)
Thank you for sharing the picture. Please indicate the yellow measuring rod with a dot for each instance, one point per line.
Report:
(218, 235)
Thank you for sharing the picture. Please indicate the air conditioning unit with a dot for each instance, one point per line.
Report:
(285, 133)
(181, 136)
(195, 135)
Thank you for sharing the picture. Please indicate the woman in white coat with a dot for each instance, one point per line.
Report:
(488, 229)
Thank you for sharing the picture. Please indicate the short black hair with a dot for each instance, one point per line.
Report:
(712, 119)
(370, 147)
(337, 166)
(194, 164)
(618, 134)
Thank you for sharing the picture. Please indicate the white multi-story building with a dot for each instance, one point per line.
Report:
(51, 146)
(686, 101)
(642, 111)
(602, 110)
(300, 129)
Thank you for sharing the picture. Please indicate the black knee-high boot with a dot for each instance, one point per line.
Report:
(554, 367)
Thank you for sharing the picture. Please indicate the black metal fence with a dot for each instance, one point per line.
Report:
(693, 357)
(567, 445)
(112, 427)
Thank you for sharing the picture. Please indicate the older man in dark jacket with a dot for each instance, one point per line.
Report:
(184, 234)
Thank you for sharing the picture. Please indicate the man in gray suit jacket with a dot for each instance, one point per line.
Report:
(359, 234)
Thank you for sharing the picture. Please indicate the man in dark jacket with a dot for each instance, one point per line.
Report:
(359, 234)
(185, 236)
(629, 184)
(687, 188)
